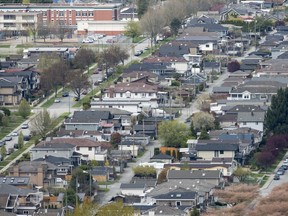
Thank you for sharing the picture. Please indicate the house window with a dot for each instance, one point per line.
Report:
(256, 123)
(9, 17)
(78, 148)
(78, 13)
(246, 96)
(91, 13)
(221, 152)
(178, 203)
(263, 97)
(216, 153)
(207, 45)
(25, 212)
(143, 94)
(61, 13)
(121, 94)
(136, 94)
(244, 123)
(89, 148)
(84, 13)
(150, 94)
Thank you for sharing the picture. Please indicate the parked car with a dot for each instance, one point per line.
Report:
(87, 40)
(76, 98)
(25, 126)
(57, 100)
(276, 177)
(138, 53)
(8, 138)
(85, 92)
(15, 133)
(16, 146)
(280, 172)
(65, 94)
(27, 137)
(285, 167)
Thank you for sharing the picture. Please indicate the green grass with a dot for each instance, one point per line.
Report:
(14, 122)
(264, 180)
(103, 190)
(138, 39)
(4, 46)
(24, 45)
(31, 142)
(48, 103)
(278, 160)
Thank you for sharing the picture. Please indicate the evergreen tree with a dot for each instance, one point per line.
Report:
(276, 119)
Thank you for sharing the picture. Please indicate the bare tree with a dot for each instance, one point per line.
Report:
(79, 82)
(152, 23)
(41, 124)
(43, 31)
(60, 29)
(203, 120)
(84, 58)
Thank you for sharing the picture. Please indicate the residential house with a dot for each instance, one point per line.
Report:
(209, 25)
(273, 67)
(177, 49)
(164, 210)
(133, 189)
(10, 93)
(253, 120)
(19, 182)
(136, 75)
(177, 197)
(242, 11)
(88, 120)
(158, 68)
(131, 97)
(41, 173)
(65, 150)
(180, 64)
(209, 150)
(227, 166)
(20, 201)
(146, 129)
(88, 149)
(209, 67)
(164, 158)
(131, 146)
(210, 176)
(102, 174)
(260, 90)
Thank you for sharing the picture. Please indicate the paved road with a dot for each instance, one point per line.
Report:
(126, 177)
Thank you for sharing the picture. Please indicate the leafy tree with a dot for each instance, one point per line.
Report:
(115, 209)
(241, 174)
(195, 212)
(203, 120)
(46, 60)
(3, 152)
(21, 140)
(84, 58)
(41, 124)
(79, 82)
(192, 130)
(63, 73)
(5, 121)
(175, 25)
(145, 171)
(86, 208)
(162, 177)
(276, 119)
(265, 159)
(233, 66)
(70, 197)
(115, 139)
(1, 118)
(204, 135)
(173, 133)
(132, 30)
(142, 7)
(24, 109)
(6, 111)
(81, 180)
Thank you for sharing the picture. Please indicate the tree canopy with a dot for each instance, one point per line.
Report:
(173, 133)
(276, 119)
(24, 109)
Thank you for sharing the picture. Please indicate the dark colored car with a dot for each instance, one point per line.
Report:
(2, 143)
(285, 167)
(276, 177)
(280, 172)
(65, 94)
(27, 138)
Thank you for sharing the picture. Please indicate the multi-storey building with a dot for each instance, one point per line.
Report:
(68, 13)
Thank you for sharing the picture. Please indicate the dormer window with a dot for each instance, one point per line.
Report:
(128, 94)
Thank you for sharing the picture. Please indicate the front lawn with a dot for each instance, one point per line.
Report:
(14, 121)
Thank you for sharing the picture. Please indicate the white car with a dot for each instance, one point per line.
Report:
(57, 101)
(87, 40)
(15, 133)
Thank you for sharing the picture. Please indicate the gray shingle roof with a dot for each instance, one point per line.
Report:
(88, 117)
(162, 157)
(177, 194)
(217, 147)
(133, 186)
(193, 174)
(251, 117)
(10, 189)
(164, 210)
